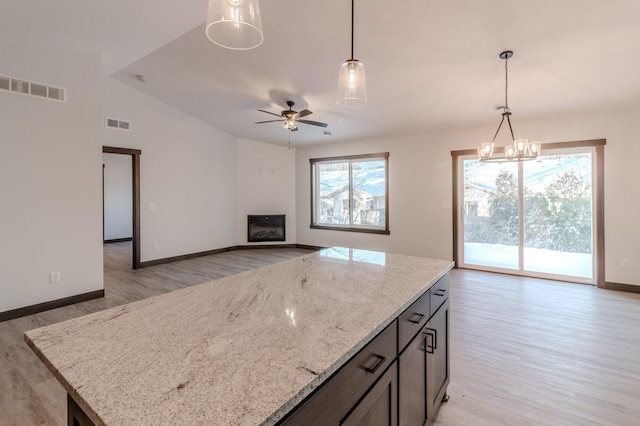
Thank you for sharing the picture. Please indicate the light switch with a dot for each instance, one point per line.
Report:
(152, 206)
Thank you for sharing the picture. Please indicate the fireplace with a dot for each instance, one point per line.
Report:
(261, 228)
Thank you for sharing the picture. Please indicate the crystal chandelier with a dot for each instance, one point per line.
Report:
(522, 149)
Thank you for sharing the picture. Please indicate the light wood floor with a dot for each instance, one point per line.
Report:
(523, 351)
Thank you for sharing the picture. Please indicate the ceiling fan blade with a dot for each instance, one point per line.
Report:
(295, 129)
(268, 121)
(277, 115)
(303, 113)
(313, 123)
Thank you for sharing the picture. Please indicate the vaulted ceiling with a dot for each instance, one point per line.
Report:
(430, 64)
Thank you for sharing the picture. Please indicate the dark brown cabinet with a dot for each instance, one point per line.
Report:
(379, 407)
(423, 366)
(412, 383)
(437, 331)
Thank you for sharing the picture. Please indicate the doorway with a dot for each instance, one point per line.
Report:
(134, 155)
(537, 218)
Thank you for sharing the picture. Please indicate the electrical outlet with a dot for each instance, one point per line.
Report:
(429, 244)
(155, 245)
(624, 263)
(54, 277)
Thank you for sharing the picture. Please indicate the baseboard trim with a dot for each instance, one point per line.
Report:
(304, 246)
(53, 304)
(182, 257)
(118, 240)
(223, 250)
(621, 287)
(263, 246)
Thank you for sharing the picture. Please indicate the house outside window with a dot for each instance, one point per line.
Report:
(351, 193)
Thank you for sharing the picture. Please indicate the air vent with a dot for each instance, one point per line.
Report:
(114, 123)
(31, 88)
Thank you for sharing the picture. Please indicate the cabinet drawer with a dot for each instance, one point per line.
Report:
(333, 400)
(439, 293)
(412, 320)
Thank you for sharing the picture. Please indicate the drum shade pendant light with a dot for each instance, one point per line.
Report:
(522, 149)
(352, 87)
(234, 24)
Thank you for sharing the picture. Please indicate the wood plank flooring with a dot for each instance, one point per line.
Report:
(535, 352)
(523, 351)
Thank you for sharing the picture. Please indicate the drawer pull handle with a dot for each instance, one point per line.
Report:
(381, 360)
(418, 316)
(441, 292)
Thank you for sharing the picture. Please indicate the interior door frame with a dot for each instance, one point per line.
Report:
(599, 246)
(135, 173)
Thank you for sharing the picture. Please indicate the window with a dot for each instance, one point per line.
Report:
(351, 193)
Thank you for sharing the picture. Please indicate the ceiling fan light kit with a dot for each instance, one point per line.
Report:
(352, 86)
(522, 149)
(235, 24)
(290, 118)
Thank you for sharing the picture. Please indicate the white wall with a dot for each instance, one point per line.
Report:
(188, 170)
(265, 185)
(118, 205)
(50, 178)
(421, 186)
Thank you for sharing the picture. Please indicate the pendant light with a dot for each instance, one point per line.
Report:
(234, 24)
(352, 87)
(522, 149)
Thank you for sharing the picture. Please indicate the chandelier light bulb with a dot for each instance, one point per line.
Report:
(521, 146)
(534, 148)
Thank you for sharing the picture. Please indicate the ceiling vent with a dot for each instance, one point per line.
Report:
(31, 88)
(114, 123)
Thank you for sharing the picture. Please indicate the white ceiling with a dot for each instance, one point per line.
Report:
(430, 64)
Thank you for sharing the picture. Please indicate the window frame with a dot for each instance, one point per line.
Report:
(350, 159)
(598, 201)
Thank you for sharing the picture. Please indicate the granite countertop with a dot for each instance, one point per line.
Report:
(240, 350)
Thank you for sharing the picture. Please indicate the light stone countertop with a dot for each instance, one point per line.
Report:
(240, 350)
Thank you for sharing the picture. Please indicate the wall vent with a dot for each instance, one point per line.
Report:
(31, 88)
(114, 123)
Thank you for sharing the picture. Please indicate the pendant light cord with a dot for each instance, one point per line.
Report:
(506, 112)
(506, 84)
(352, 21)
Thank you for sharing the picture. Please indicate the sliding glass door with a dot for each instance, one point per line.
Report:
(529, 218)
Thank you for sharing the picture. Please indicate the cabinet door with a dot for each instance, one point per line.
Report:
(437, 359)
(379, 407)
(412, 381)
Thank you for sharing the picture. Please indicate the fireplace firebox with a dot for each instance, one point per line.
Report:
(264, 228)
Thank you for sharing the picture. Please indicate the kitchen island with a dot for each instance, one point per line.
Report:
(241, 350)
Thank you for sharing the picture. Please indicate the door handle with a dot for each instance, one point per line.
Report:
(429, 346)
(434, 339)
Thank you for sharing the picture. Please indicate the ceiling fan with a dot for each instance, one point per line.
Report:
(289, 118)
